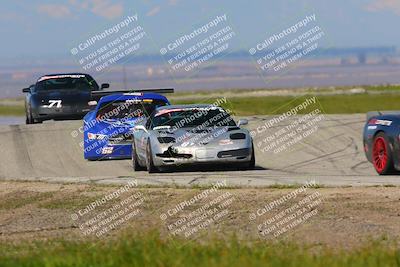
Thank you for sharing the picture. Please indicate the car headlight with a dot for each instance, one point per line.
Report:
(166, 139)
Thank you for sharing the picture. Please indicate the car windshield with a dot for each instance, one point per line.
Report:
(66, 82)
(128, 108)
(181, 118)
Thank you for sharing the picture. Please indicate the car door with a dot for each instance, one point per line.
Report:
(140, 137)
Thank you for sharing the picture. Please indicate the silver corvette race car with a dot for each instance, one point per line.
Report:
(191, 134)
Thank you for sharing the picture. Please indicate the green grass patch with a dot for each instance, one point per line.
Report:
(330, 104)
(11, 110)
(383, 97)
(14, 201)
(362, 103)
(264, 105)
(149, 250)
(70, 202)
(314, 90)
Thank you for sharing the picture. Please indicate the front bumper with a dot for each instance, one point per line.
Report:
(202, 155)
(67, 112)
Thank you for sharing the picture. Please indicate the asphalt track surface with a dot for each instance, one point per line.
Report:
(332, 155)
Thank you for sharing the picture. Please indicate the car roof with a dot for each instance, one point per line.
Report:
(129, 96)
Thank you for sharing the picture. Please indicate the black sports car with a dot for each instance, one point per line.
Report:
(382, 141)
(61, 96)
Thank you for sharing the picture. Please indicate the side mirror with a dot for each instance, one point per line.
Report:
(26, 90)
(242, 122)
(104, 86)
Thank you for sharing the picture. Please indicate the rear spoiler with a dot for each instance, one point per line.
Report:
(102, 93)
(379, 113)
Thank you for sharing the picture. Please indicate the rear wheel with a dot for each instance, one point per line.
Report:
(149, 159)
(135, 162)
(382, 157)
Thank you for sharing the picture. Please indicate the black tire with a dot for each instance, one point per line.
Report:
(250, 164)
(29, 119)
(135, 162)
(382, 154)
(149, 160)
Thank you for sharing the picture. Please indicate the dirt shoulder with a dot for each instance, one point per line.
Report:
(343, 217)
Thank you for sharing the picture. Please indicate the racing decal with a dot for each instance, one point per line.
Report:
(383, 122)
(166, 111)
(136, 94)
(225, 142)
(133, 101)
(52, 103)
(380, 122)
(187, 144)
(372, 127)
(107, 150)
(61, 76)
(91, 136)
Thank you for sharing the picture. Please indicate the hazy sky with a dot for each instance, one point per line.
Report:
(52, 28)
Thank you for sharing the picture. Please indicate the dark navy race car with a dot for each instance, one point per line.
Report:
(382, 141)
(107, 130)
(61, 96)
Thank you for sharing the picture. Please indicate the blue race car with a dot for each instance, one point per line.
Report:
(108, 128)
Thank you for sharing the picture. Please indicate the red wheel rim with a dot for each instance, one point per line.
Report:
(379, 154)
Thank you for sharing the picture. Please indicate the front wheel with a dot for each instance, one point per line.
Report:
(135, 162)
(252, 162)
(149, 159)
(29, 119)
(382, 156)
